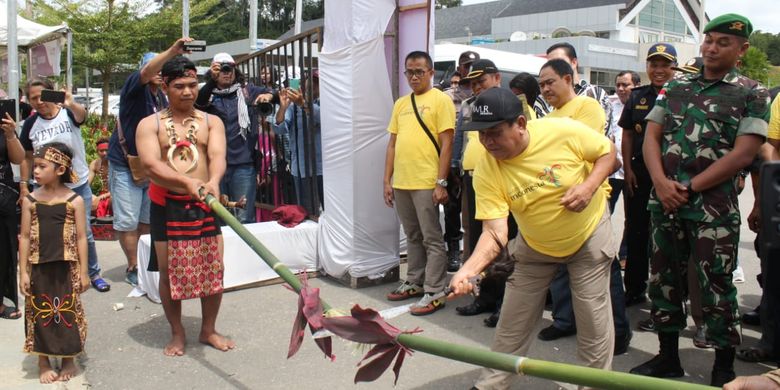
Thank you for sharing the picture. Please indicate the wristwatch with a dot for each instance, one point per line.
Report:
(442, 182)
(688, 187)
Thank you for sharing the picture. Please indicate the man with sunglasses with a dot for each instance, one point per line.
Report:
(415, 180)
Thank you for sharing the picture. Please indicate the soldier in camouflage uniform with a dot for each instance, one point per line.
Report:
(704, 129)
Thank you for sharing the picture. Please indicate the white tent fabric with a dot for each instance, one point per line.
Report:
(28, 33)
(358, 233)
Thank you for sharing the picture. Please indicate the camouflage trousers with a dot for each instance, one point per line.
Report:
(713, 248)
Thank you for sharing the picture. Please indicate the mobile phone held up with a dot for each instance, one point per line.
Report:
(52, 96)
(295, 84)
(195, 46)
(8, 106)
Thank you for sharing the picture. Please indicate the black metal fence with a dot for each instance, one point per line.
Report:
(288, 172)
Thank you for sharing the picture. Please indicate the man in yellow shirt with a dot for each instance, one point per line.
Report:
(555, 80)
(415, 180)
(548, 174)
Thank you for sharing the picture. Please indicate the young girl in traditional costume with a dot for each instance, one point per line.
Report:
(53, 264)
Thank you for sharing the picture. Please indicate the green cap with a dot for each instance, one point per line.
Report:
(732, 24)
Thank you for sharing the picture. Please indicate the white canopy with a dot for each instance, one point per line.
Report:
(28, 33)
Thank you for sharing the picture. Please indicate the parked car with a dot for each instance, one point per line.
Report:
(113, 105)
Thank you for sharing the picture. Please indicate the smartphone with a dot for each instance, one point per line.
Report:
(295, 84)
(195, 46)
(52, 96)
(9, 106)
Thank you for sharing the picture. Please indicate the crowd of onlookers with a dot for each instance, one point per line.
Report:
(528, 177)
(678, 149)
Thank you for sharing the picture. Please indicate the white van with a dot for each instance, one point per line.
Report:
(509, 64)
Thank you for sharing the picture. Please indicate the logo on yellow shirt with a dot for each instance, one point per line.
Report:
(549, 175)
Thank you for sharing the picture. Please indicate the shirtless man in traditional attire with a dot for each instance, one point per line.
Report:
(183, 152)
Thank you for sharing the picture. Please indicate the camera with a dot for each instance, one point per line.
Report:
(226, 67)
(265, 108)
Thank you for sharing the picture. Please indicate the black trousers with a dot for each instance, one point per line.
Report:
(637, 230)
(452, 231)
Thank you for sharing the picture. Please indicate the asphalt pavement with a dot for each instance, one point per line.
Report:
(124, 348)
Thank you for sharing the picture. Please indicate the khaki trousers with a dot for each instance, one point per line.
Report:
(426, 256)
(589, 270)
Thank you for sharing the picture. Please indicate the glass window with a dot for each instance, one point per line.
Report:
(663, 15)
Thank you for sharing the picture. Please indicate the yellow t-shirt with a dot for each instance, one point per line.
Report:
(584, 109)
(773, 132)
(474, 149)
(416, 163)
(532, 184)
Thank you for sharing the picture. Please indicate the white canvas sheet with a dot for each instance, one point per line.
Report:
(242, 264)
(358, 233)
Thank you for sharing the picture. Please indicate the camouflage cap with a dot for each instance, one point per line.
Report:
(732, 24)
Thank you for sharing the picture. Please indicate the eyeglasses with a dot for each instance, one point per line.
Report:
(415, 72)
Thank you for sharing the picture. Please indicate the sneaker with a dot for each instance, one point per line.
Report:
(700, 338)
(405, 291)
(647, 325)
(100, 285)
(426, 305)
(131, 277)
(739, 275)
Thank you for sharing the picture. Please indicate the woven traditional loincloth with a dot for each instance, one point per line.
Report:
(195, 267)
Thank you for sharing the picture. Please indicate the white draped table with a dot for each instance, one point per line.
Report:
(295, 247)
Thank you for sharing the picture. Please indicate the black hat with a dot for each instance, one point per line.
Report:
(693, 65)
(492, 107)
(467, 57)
(479, 68)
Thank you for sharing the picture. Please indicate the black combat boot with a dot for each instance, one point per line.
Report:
(723, 369)
(667, 363)
(453, 256)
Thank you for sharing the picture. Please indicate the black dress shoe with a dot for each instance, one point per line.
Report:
(632, 300)
(660, 366)
(720, 377)
(753, 317)
(476, 307)
(552, 333)
(492, 321)
(622, 342)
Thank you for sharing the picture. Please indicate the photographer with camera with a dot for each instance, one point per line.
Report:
(227, 95)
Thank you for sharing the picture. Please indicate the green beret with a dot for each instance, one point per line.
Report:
(730, 24)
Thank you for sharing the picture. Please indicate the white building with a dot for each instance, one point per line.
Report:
(609, 35)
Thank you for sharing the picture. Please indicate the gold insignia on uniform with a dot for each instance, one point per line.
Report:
(660, 48)
(638, 128)
(642, 101)
(737, 26)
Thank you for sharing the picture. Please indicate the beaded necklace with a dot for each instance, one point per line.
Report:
(187, 148)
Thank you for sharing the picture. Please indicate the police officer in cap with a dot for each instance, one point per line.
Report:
(660, 59)
(703, 130)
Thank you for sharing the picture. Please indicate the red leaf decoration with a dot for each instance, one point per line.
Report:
(309, 312)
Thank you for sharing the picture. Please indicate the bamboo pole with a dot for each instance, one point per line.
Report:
(569, 373)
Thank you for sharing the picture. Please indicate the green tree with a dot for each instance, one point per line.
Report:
(110, 36)
(755, 65)
(768, 43)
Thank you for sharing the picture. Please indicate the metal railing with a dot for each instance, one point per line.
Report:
(288, 163)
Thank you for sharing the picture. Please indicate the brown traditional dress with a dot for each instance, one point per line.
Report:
(54, 317)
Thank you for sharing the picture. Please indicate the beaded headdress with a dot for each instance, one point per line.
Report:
(56, 156)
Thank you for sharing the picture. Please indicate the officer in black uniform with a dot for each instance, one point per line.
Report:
(660, 59)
